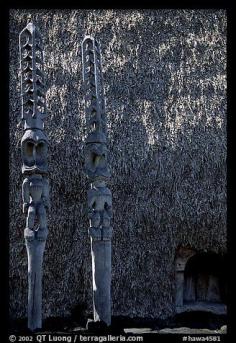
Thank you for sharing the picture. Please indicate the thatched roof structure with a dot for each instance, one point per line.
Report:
(165, 86)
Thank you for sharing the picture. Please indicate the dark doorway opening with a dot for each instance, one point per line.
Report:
(205, 282)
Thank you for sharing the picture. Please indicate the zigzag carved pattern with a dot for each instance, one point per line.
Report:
(32, 76)
(93, 88)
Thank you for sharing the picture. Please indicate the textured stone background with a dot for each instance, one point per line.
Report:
(165, 85)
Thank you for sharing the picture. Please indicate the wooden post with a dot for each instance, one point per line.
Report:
(99, 195)
(34, 146)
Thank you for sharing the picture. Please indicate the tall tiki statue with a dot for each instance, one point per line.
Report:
(99, 196)
(34, 146)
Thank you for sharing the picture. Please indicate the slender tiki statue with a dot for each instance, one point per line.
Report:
(34, 146)
(96, 168)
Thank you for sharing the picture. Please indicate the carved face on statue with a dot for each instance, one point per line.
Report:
(34, 146)
(96, 161)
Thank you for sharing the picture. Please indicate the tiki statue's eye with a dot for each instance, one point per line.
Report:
(29, 148)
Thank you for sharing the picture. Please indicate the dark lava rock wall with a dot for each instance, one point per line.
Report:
(165, 86)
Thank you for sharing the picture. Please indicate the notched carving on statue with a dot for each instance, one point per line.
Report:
(35, 194)
(95, 121)
(34, 147)
(32, 78)
(100, 211)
